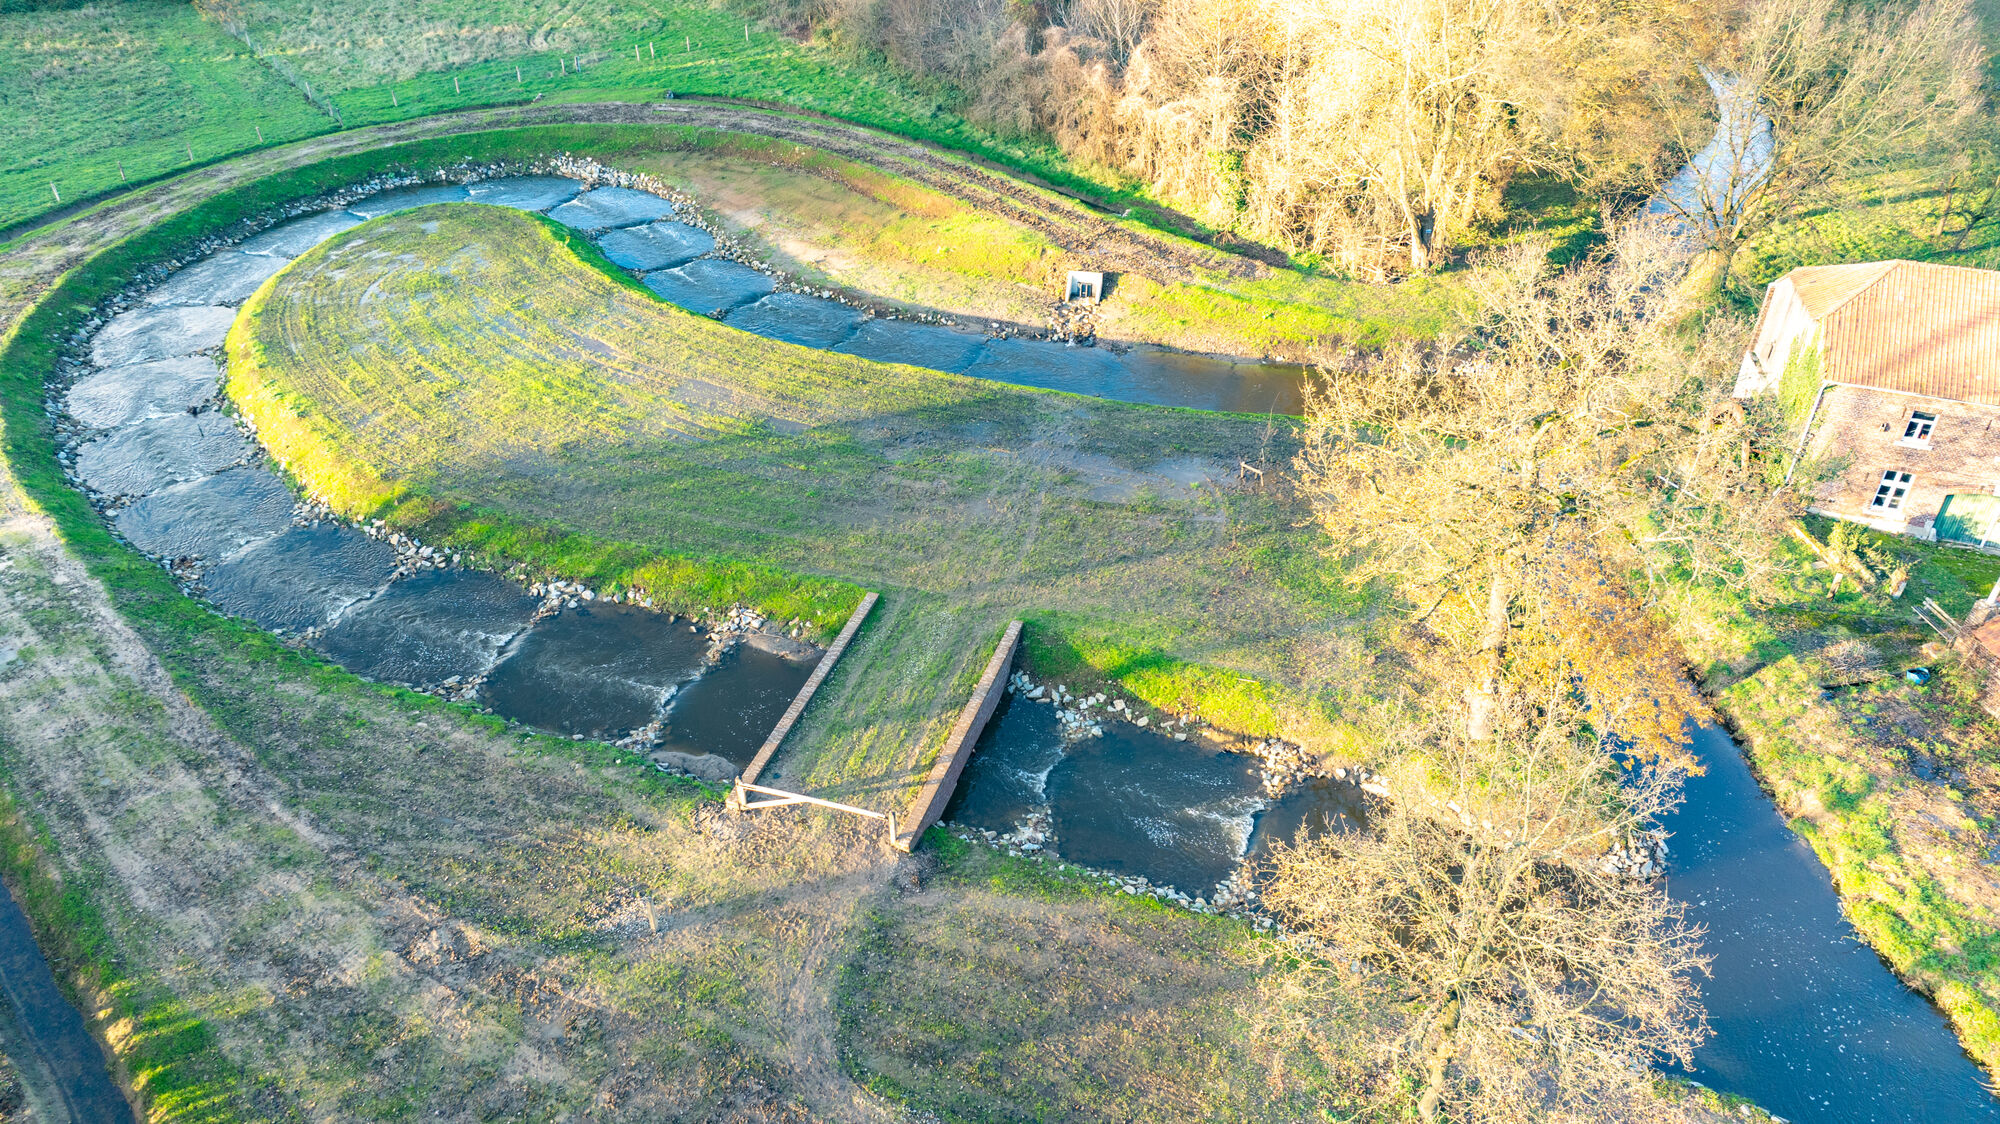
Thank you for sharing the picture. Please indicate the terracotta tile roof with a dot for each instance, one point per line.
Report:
(1908, 326)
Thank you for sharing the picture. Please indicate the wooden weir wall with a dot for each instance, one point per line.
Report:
(805, 695)
(937, 790)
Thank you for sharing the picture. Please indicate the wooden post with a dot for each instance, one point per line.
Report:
(562, 65)
(392, 99)
(121, 173)
(687, 43)
(260, 133)
(517, 74)
(746, 33)
(635, 52)
(652, 919)
(58, 194)
(650, 52)
(190, 149)
(454, 84)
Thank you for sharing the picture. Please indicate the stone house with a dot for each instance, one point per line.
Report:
(1889, 372)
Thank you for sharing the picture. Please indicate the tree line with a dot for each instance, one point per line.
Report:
(1373, 135)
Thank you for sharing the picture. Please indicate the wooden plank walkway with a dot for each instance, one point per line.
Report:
(805, 695)
(937, 790)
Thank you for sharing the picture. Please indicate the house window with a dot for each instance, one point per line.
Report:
(1917, 431)
(1889, 494)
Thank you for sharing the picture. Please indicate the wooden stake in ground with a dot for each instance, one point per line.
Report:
(260, 133)
(635, 52)
(190, 149)
(562, 65)
(517, 74)
(650, 52)
(454, 84)
(392, 99)
(687, 43)
(746, 33)
(121, 172)
(58, 194)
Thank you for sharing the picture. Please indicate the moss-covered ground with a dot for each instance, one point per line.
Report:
(482, 377)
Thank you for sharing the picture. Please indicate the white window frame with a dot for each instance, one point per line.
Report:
(1918, 429)
(1891, 491)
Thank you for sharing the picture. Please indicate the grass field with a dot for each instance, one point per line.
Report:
(136, 82)
(426, 365)
(1892, 213)
(978, 1030)
(139, 84)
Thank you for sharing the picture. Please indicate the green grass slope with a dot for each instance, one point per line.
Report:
(88, 88)
(138, 84)
(1896, 785)
(476, 372)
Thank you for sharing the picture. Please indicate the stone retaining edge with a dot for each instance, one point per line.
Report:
(805, 695)
(937, 790)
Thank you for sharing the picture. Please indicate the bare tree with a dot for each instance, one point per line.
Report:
(1546, 979)
(1508, 478)
(1811, 92)
(1404, 111)
(1117, 24)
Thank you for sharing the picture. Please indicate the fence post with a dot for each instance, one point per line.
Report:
(52, 187)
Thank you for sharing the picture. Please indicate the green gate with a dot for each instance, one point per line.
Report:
(1969, 518)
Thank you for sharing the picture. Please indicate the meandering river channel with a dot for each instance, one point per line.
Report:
(1808, 1022)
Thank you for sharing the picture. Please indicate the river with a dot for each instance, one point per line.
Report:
(1807, 1021)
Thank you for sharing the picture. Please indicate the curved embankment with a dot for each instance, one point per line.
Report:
(475, 373)
(283, 892)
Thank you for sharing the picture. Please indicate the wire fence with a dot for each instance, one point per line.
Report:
(696, 66)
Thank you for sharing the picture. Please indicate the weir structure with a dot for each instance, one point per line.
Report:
(931, 800)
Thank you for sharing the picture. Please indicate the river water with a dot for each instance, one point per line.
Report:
(1808, 1022)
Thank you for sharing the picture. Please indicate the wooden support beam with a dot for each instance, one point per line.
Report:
(798, 708)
